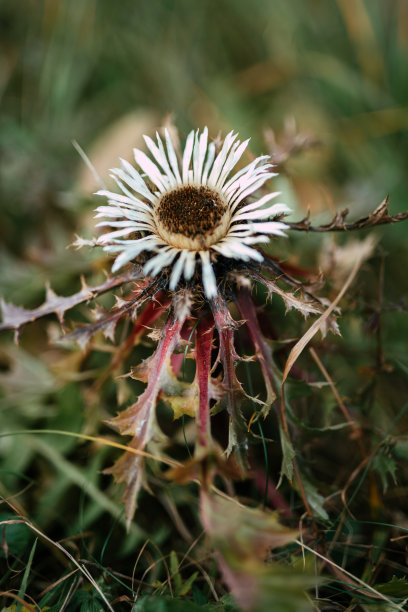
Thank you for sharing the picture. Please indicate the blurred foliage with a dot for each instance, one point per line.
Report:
(103, 73)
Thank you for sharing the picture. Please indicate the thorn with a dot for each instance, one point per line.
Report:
(49, 293)
(84, 286)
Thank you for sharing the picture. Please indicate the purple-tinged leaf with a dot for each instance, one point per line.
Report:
(139, 419)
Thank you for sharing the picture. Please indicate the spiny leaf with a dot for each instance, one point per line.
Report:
(107, 323)
(242, 537)
(139, 419)
(15, 317)
(305, 302)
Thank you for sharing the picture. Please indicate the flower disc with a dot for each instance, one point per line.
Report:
(191, 217)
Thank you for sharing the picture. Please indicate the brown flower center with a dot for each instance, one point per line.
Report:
(191, 217)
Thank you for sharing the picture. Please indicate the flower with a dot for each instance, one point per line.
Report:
(190, 208)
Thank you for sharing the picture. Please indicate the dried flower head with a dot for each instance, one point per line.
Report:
(181, 210)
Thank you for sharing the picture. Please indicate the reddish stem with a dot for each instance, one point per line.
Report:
(227, 354)
(263, 352)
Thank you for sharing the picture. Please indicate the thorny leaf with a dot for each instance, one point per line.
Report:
(337, 261)
(380, 216)
(183, 397)
(242, 532)
(181, 588)
(139, 419)
(27, 381)
(107, 322)
(386, 467)
(305, 303)
(216, 464)
(15, 317)
(397, 587)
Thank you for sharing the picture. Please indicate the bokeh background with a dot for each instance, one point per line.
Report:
(102, 73)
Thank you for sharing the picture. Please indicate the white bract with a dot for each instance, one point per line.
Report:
(190, 210)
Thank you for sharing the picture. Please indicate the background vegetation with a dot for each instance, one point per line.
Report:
(103, 73)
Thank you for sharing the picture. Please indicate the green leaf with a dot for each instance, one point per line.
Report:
(314, 498)
(175, 574)
(187, 585)
(288, 454)
(87, 601)
(17, 536)
(153, 603)
(27, 570)
(397, 587)
(386, 467)
(198, 595)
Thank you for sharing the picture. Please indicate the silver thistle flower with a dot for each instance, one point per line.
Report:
(181, 210)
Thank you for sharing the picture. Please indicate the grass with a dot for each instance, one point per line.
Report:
(103, 74)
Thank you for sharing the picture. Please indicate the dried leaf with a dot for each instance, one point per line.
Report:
(306, 303)
(290, 143)
(214, 461)
(337, 261)
(15, 317)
